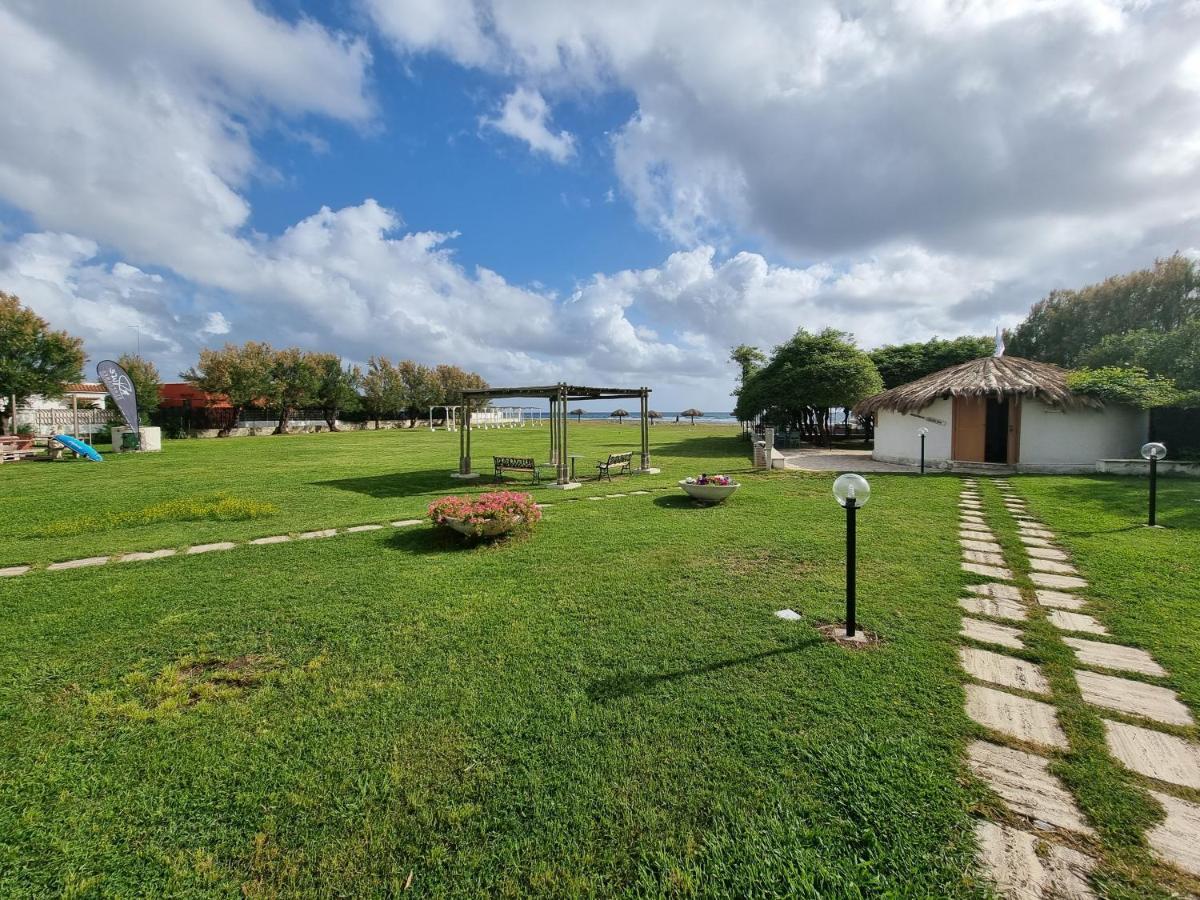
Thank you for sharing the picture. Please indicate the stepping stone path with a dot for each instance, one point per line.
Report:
(145, 555)
(1035, 863)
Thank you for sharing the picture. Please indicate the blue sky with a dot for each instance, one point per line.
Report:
(612, 193)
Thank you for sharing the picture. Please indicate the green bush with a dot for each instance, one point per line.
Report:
(1128, 385)
(219, 507)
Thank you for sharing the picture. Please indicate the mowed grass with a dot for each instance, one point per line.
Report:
(608, 708)
(315, 481)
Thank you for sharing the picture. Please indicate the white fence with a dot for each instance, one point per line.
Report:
(48, 422)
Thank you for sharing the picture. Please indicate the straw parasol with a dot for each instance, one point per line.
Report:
(692, 413)
(652, 415)
(619, 414)
(578, 414)
(991, 376)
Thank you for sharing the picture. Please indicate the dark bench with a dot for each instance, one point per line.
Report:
(518, 464)
(618, 461)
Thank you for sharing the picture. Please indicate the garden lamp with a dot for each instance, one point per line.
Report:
(1153, 451)
(851, 491)
(923, 432)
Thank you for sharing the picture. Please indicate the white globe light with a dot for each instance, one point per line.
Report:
(1153, 450)
(851, 489)
(922, 431)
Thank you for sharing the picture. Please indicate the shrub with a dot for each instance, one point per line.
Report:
(502, 512)
(1131, 386)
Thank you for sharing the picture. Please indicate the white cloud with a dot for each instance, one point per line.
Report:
(525, 115)
(216, 323)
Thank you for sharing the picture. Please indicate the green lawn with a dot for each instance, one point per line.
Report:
(609, 707)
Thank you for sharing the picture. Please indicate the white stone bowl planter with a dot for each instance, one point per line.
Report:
(709, 493)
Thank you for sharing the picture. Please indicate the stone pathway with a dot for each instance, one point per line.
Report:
(145, 555)
(1011, 698)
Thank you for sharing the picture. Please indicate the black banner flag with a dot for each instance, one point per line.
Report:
(116, 381)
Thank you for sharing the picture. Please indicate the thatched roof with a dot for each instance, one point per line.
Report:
(992, 376)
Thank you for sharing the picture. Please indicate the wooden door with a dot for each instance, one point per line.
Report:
(1014, 430)
(970, 429)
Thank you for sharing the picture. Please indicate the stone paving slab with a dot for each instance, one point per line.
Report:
(639, 493)
(987, 559)
(980, 546)
(1058, 600)
(1176, 840)
(146, 554)
(1051, 565)
(1027, 720)
(13, 571)
(1035, 532)
(999, 591)
(405, 523)
(1034, 541)
(973, 534)
(77, 563)
(1050, 553)
(322, 533)
(987, 571)
(1154, 754)
(1004, 670)
(1010, 859)
(994, 607)
(1054, 580)
(1024, 781)
(1073, 621)
(1133, 697)
(991, 633)
(1114, 656)
(273, 539)
(209, 548)
(356, 529)
(789, 615)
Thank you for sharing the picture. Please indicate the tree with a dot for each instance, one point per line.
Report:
(1129, 386)
(749, 360)
(383, 391)
(291, 383)
(1067, 323)
(1174, 354)
(147, 385)
(451, 381)
(419, 387)
(336, 388)
(901, 363)
(242, 374)
(806, 377)
(33, 359)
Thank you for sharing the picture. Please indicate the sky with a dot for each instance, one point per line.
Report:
(606, 193)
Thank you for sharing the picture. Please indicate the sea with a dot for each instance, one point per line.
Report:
(713, 418)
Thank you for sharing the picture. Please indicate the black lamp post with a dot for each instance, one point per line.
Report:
(851, 491)
(1153, 452)
(923, 432)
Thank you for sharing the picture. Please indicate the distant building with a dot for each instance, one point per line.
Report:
(1006, 411)
(79, 411)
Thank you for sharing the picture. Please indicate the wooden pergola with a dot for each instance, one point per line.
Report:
(559, 395)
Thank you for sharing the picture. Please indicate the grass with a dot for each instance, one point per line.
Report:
(219, 507)
(608, 707)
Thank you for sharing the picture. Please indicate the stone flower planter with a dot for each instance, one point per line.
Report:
(487, 529)
(709, 493)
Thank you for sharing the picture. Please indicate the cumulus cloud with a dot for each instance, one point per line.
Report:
(525, 116)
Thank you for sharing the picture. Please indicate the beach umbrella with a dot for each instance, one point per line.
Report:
(692, 413)
(619, 414)
(652, 415)
(578, 414)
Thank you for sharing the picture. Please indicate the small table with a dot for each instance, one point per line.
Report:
(572, 457)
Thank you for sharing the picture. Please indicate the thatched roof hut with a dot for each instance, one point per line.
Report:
(993, 376)
(1000, 410)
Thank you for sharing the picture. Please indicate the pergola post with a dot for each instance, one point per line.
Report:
(564, 471)
(464, 445)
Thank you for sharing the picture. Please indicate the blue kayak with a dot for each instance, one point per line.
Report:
(84, 450)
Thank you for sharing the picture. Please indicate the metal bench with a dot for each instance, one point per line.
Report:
(619, 461)
(518, 464)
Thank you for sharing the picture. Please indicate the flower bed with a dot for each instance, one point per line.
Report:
(488, 515)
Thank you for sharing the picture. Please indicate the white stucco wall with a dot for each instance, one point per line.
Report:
(1054, 437)
(896, 437)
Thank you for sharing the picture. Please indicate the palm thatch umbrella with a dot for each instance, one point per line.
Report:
(692, 413)
(578, 414)
(619, 414)
(652, 415)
